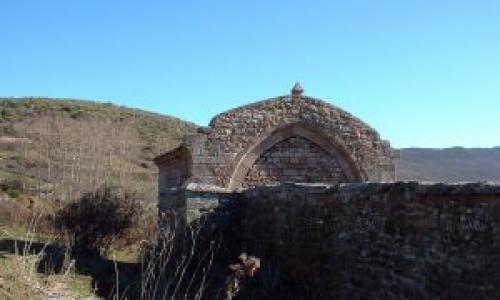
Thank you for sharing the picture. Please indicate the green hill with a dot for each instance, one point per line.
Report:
(57, 148)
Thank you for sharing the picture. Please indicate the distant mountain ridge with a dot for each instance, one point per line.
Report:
(450, 164)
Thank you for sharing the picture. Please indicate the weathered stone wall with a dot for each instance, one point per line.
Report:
(195, 201)
(294, 159)
(379, 241)
(175, 169)
(224, 153)
(363, 240)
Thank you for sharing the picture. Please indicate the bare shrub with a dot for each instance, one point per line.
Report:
(146, 231)
(98, 218)
(178, 263)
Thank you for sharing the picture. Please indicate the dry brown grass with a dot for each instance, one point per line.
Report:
(20, 276)
(19, 212)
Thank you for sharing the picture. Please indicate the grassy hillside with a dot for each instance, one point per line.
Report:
(57, 148)
(451, 164)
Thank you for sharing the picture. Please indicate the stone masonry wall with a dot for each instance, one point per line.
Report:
(216, 149)
(362, 240)
(379, 241)
(176, 173)
(295, 159)
(174, 169)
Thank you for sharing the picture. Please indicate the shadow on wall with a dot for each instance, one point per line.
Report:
(379, 241)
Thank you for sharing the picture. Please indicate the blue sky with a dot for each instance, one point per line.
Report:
(423, 73)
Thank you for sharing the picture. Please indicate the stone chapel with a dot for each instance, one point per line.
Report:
(291, 138)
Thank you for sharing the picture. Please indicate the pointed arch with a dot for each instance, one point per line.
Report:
(265, 141)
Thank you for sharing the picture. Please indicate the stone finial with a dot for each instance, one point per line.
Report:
(297, 90)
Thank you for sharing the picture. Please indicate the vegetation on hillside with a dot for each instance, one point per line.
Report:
(57, 149)
(55, 152)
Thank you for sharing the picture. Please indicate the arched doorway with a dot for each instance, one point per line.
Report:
(295, 152)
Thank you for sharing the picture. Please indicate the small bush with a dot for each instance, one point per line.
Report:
(146, 230)
(14, 186)
(13, 194)
(98, 218)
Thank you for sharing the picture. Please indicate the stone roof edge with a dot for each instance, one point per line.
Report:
(288, 97)
(268, 100)
(427, 188)
(202, 187)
